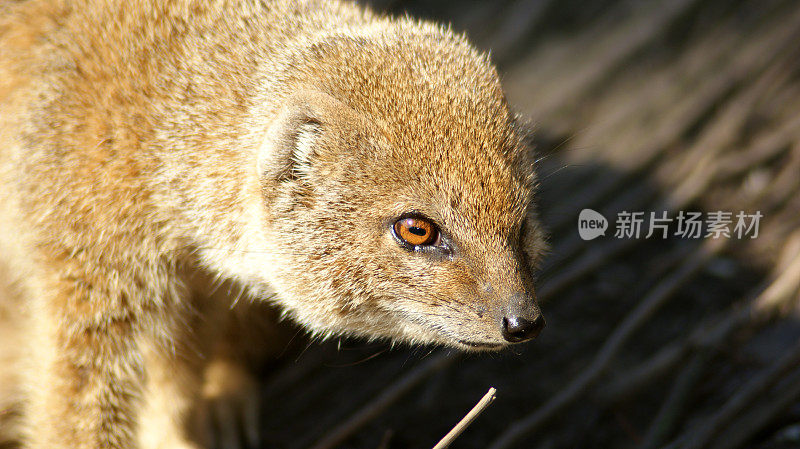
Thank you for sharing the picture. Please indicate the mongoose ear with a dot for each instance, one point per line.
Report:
(294, 136)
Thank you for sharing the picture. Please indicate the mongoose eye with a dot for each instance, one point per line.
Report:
(416, 231)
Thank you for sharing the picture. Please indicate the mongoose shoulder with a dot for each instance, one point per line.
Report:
(363, 173)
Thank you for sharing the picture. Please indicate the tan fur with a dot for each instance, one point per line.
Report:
(149, 146)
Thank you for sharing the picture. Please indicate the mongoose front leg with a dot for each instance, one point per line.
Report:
(173, 379)
(87, 369)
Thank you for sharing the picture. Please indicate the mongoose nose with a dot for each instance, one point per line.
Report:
(517, 329)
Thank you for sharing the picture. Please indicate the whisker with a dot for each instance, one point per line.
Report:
(358, 362)
(554, 172)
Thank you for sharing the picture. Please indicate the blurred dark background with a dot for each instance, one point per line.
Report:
(672, 105)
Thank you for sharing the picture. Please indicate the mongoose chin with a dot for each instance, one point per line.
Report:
(362, 173)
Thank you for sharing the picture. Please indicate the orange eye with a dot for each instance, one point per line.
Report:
(416, 231)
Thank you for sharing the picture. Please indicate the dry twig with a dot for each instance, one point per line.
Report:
(462, 425)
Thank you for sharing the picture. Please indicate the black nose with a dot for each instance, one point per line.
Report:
(517, 329)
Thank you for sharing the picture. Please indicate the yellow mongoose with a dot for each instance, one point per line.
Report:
(363, 173)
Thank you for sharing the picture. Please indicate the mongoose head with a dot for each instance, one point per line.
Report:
(398, 192)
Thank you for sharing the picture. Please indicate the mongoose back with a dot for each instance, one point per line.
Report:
(363, 173)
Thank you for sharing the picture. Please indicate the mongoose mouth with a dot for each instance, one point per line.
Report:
(481, 344)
